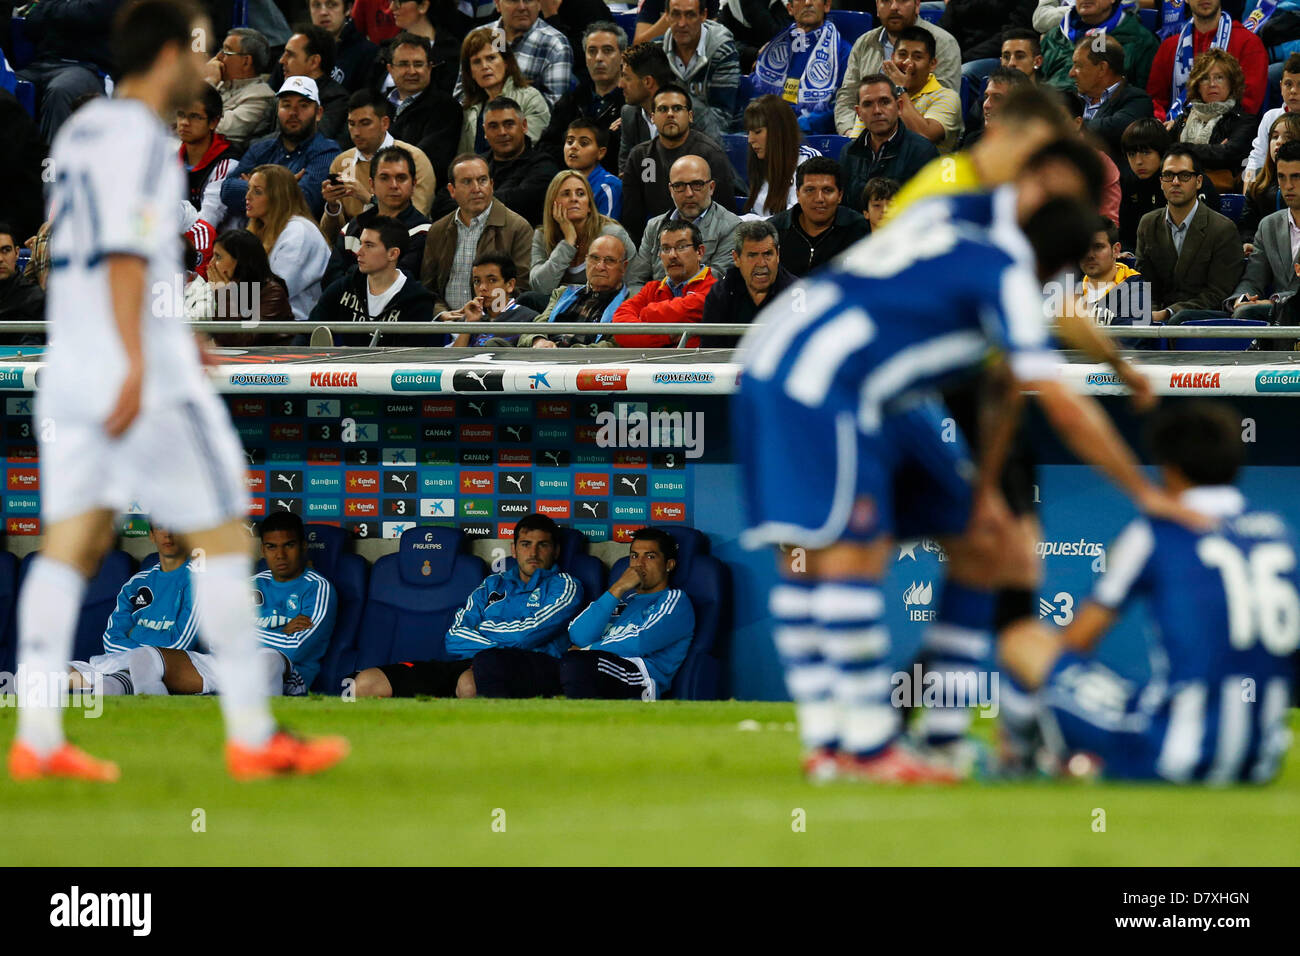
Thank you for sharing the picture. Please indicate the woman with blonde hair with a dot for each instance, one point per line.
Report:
(1213, 122)
(1262, 195)
(487, 72)
(570, 224)
(775, 152)
(280, 218)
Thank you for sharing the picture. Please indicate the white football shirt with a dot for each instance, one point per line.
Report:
(118, 187)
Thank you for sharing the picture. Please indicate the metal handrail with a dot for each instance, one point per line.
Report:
(232, 326)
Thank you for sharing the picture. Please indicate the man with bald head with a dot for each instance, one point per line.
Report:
(692, 188)
(596, 301)
(646, 192)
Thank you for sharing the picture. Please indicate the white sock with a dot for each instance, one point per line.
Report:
(47, 619)
(118, 682)
(223, 598)
(146, 666)
(272, 663)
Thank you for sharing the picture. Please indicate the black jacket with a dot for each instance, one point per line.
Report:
(801, 254)
(346, 300)
(73, 30)
(22, 153)
(977, 25)
(729, 301)
(901, 157)
(433, 124)
(642, 200)
(21, 300)
(521, 182)
(634, 131)
(1256, 208)
(1229, 144)
(1127, 104)
(575, 104)
(346, 243)
(571, 19)
(354, 57)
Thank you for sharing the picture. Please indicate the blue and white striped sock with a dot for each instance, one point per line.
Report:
(856, 642)
(959, 647)
(809, 678)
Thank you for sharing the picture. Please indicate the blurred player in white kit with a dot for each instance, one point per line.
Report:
(126, 413)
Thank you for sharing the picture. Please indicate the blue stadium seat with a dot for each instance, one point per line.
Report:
(98, 603)
(828, 145)
(744, 92)
(1232, 205)
(707, 582)
(736, 146)
(1216, 345)
(23, 50)
(413, 595)
(327, 551)
(1150, 19)
(851, 23)
(628, 22)
(8, 611)
(573, 559)
(931, 14)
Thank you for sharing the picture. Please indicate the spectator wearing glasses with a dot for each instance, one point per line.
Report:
(1144, 144)
(423, 115)
(645, 73)
(239, 73)
(677, 297)
(1189, 254)
(208, 157)
(416, 17)
(594, 301)
(542, 52)
(692, 188)
(646, 191)
(1214, 123)
(569, 226)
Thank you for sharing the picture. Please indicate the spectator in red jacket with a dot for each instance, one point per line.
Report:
(1206, 29)
(679, 296)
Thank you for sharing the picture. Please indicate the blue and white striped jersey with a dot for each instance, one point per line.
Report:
(657, 628)
(914, 304)
(505, 611)
(279, 602)
(1226, 607)
(155, 608)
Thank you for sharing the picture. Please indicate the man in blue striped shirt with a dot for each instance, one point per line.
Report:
(1226, 611)
(627, 644)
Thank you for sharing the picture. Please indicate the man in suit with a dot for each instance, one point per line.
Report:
(1190, 255)
(1110, 103)
(1271, 269)
(480, 224)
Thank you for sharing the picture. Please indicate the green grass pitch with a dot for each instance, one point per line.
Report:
(587, 782)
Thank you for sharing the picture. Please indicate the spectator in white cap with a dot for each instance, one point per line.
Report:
(298, 146)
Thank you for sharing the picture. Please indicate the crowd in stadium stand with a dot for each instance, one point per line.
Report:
(469, 147)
